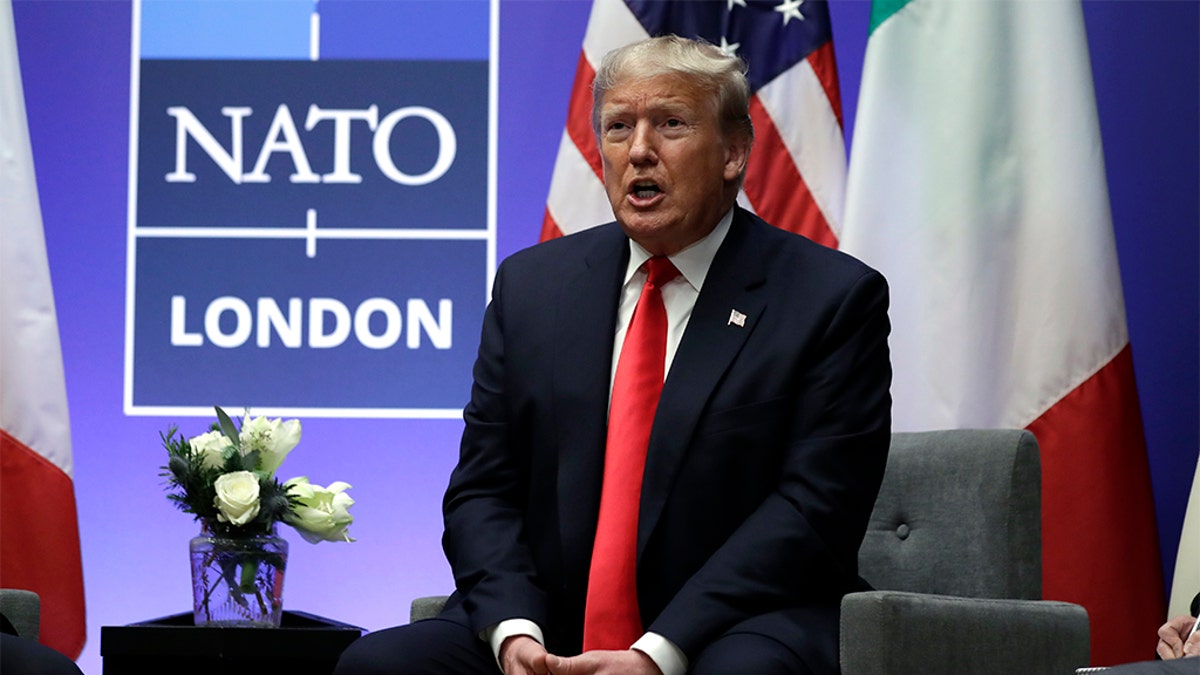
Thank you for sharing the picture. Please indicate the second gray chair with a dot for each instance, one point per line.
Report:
(954, 548)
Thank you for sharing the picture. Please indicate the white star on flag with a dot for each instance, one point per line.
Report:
(741, 3)
(790, 9)
(730, 49)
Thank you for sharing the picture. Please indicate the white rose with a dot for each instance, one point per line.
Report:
(321, 514)
(237, 497)
(273, 439)
(211, 447)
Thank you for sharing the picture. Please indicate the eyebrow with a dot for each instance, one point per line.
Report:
(664, 105)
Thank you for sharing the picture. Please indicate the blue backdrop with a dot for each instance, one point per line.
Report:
(75, 61)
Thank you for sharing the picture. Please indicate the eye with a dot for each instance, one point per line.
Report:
(615, 128)
(674, 123)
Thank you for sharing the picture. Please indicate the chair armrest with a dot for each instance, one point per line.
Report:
(427, 607)
(895, 633)
(23, 610)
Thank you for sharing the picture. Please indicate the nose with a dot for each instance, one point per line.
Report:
(643, 144)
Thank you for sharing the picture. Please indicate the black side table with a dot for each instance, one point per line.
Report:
(304, 644)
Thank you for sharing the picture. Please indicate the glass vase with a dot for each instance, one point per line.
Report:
(238, 581)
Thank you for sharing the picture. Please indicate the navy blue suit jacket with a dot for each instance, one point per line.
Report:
(767, 450)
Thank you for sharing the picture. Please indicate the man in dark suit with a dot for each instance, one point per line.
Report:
(766, 448)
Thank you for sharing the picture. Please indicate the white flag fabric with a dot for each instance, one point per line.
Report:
(39, 533)
(1186, 583)
(977, 186)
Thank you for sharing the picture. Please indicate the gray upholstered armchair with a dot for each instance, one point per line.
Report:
(23, 610)
(954, 549)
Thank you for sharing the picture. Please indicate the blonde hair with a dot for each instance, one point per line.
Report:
(722, 74)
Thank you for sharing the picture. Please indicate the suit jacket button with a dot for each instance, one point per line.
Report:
(902, 531)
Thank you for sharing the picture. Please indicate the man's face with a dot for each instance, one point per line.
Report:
(669, 172)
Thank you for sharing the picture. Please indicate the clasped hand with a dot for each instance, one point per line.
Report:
(522, 655)
(1173, 640)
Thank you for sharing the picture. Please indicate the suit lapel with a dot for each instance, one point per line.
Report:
(735, 281)
(586, 309)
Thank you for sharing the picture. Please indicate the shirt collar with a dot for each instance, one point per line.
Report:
(692, 262)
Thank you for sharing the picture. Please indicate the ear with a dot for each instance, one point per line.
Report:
(737, 154)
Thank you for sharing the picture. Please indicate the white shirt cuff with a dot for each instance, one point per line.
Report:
(670, 659)
(497, 634)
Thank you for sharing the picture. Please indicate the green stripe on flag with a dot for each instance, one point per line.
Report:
(881, 10)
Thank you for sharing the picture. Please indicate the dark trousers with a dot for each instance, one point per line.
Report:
(1188, 666)
(443, 647)
(22, 656)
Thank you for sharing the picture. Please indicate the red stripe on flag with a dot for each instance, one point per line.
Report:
(1099, 539)
(40, 541)
(824, 64)
(775, 186)
(579, 116)
(550, 229)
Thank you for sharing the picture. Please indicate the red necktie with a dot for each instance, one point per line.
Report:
(611, 617)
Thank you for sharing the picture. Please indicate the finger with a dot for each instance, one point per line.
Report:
(574, 665)
(1192, 646)
(537, 665)
(1171, 638)
(1164, 651)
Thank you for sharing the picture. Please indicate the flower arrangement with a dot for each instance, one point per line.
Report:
(226, 479)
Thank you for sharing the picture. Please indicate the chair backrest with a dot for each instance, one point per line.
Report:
(959, 513)
(23, 610)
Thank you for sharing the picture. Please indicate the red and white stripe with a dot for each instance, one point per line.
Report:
(39, 533)
(797, 171)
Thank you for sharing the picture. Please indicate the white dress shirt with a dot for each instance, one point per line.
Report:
(679, 298)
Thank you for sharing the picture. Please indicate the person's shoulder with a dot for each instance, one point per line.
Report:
(550, 263)
(568, 250)
(797, 252)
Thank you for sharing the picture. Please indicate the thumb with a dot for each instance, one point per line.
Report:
(558, 665)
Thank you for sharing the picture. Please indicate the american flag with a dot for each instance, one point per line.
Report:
(797, 171)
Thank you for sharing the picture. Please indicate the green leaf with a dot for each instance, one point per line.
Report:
(250, 461)
(227, 427)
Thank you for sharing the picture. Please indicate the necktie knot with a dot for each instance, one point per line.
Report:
(660, 270)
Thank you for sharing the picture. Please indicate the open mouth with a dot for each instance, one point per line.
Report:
(645, 190)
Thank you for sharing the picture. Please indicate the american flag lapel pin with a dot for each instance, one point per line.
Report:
(736, 318)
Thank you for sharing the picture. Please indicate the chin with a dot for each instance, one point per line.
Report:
(642, 228)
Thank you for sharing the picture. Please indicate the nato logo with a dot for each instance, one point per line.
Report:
(311, 228)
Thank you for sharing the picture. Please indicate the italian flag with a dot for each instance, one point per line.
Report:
(39, 532)
(976, 185)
